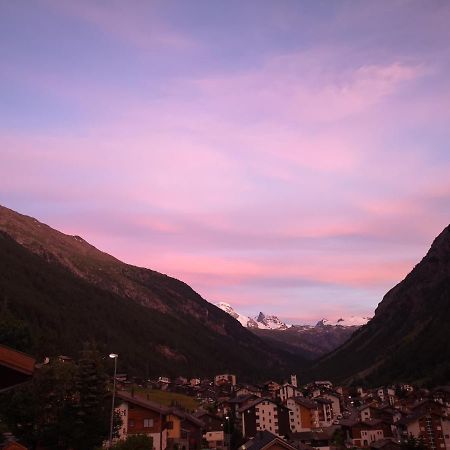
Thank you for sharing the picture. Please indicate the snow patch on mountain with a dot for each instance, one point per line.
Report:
(352, 321)
(262, 321)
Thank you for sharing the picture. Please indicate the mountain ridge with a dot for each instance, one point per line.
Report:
(408, 338)
(107, 287)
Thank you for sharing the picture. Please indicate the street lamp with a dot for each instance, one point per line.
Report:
(113, 356)
(228, 435)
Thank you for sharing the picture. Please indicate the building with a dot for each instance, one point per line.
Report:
(264, 414)
(225, 378)
(213, 429)
(184, 431)
(324, 407)
(364, 433)
(265, 440)
(386, 395)
(303, 414)
(335, 402)
(141, 416)
(322, 438)
(15, 367)
(432, 428)
(287, 391)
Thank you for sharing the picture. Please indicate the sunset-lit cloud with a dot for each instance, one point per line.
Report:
(280, 156)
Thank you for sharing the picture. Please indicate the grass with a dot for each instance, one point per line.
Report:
(168, 398)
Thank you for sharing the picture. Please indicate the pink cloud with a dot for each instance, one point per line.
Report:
(129, 24)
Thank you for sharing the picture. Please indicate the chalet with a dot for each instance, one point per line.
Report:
(287, 391)
(213, 429)
(225, 378)
(234, 405)
(270, 388)
(369, 411)
(385, 444)
(325, 411)
(441, 395)
(183, 430)
(15, 367)
(265, 440)
(303, 414)
(264, 414)
(247, 390)
(365, 433)
(386, 395)
(322, 438)
(335, 402)
(141, 416)
(324, 384)
(432, 428)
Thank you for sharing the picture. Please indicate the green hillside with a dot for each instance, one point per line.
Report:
(63, 310)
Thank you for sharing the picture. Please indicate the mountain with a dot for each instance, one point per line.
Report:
(67, 292)
(309, 341)
(351, 321)
(261, 321)
(245, 321)
(270, 322)
(408, 338)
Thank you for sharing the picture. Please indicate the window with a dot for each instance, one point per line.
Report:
(131, 423)
(148, 423)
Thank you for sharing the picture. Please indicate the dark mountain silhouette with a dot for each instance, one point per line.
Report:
(68, 292)
(409, 337)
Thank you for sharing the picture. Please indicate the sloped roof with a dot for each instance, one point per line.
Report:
(144, 403)
(263, 440)
(258, 401)
(306, 402)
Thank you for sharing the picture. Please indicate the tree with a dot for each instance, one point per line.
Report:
(13, 332)
(136, 442)
(92, 409)
(66, 405)
(413, 443)
(39, 411)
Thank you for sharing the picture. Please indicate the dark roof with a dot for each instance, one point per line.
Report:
(241, 398)
(323, 400)
(306, 402)
(417, 415)
(139, 401)
(15, 367)
(383, 443)
(202, 413)
(319, 434)
(186, 416)
(257, 402)
(263, 439)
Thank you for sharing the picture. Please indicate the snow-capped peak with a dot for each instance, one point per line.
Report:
(270, 322)
(351, 321)
(262, 321)
(244, 320)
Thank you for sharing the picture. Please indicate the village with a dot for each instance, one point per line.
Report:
(224, 414)
(286, 415)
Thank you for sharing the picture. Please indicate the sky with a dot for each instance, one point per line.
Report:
(290, 157)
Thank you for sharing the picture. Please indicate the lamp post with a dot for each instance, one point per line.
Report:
(228, 436)
(113, 356)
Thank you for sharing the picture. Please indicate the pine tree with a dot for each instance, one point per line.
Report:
(92, 410)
